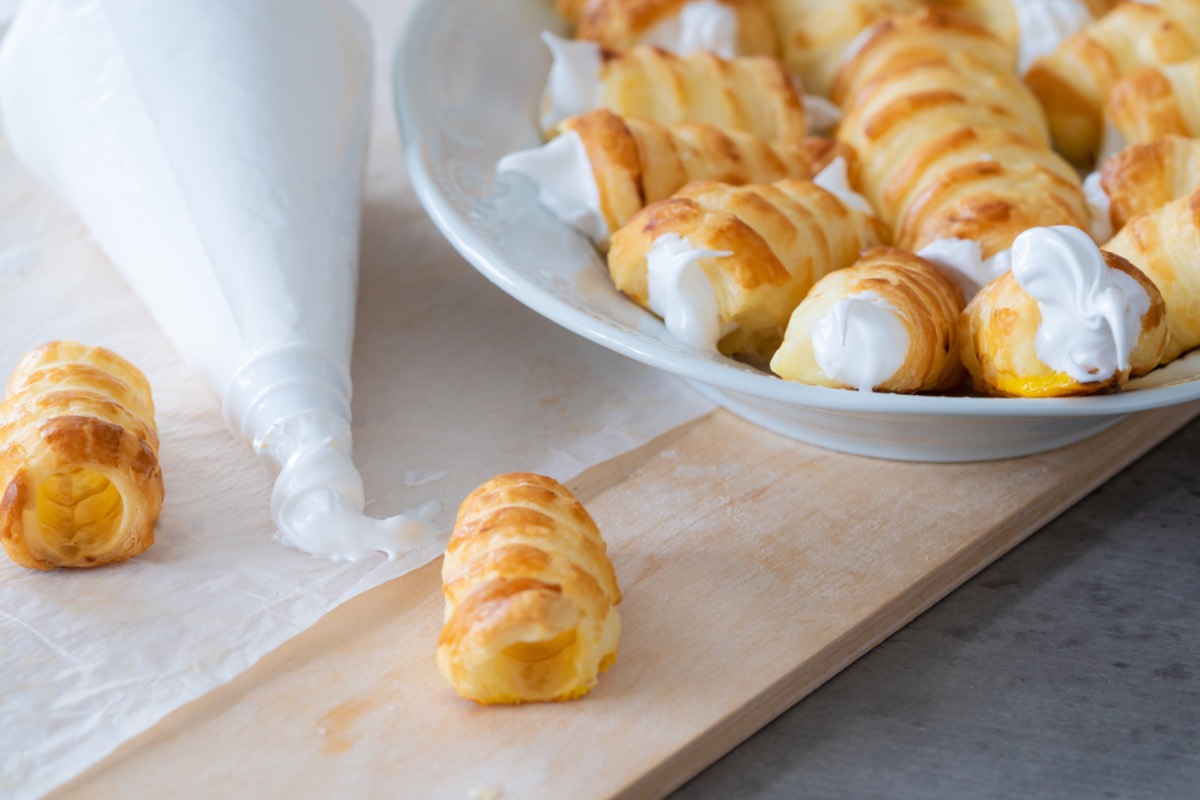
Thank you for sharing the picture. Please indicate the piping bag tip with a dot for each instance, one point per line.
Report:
(318, 500)
(292, 404)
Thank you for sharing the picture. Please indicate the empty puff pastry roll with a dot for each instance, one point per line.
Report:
(888, 323)
(1073, 82)
(815, 35)
(530, 595)
(725, 266)
(753, 94)
(79, 464)
(1068, 319)
(1154, 102)
(1147, 176)
(727, 27)
(1165, 244)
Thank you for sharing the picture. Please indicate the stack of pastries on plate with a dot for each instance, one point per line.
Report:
(889, 195)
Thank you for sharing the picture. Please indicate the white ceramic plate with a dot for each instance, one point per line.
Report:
(468, 74)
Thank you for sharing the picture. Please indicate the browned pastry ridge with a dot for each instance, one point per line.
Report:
(1156, 101)
(1147, 176)
(636, 162)
(815, 34)
(621, 24)
(530, 595)
(79, 464)
(1165, 243)
(754, 94)
(952, 144)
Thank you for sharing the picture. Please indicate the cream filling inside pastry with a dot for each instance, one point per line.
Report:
(835, 179)
(699, 25)
(1044, 25)
(821, 115)
(861, 341)
(573, 87)
(566, 182)
(1099, 208)
(681, 294)
(1091, 314)
(962, 260)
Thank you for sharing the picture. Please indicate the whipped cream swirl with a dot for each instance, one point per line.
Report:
(1044, 25)
(699, 25)
(861, 342)
(962, 261)
(1091, 314)
(573, 87)
(681, 294)
(566, 182)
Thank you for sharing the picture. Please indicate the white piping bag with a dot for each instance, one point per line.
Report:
(216, 150)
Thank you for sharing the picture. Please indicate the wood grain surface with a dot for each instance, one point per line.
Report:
(754, 568)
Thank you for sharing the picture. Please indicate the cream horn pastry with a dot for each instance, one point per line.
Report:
(531, 597)
(887, 324)
(754, 94)
(79, 465)
(602, 169)
(1067, 319)
(1146, 177)
(725, 266)
(816, 36)
(1074, 81)
(1032, 28)
(728, 28)
(1155, 101)
(1164, 244)
(952, 146)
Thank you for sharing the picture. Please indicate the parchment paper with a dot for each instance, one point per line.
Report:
(453, 380)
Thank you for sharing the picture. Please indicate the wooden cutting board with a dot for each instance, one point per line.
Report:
(754, 569)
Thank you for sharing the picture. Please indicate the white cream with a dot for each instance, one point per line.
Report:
(573, 87)
(1091, 314)
(962, 260)
(861, 341)
(821, 115)
(681, 294)
(835, 179)
(1099, 208)
(318, 499)
(699, 25)
(566, 182)
(1045, 24)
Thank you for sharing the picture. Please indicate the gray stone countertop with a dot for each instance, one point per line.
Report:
(1070, 668)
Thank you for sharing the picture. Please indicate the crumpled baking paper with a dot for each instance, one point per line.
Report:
(454, 382)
